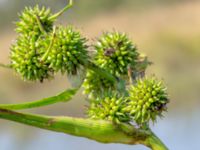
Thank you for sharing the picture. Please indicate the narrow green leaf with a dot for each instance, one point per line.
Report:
(62, 97)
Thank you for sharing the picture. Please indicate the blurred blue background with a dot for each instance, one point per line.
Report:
(167, 31)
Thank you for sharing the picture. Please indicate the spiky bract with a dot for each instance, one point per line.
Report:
(148, 99)
(115, 52)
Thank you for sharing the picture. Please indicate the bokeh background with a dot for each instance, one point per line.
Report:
(168, 31)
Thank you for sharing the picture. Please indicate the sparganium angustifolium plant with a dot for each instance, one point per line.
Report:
(148, 99)
(115, 52)
(42, 50)
(69, 51)
(110, 107)
(31, 20)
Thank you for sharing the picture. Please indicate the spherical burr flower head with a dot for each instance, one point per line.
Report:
(29, 21)
(69, 51)
(115, 52)
(148, 99)
(25, 58)
(109, 108)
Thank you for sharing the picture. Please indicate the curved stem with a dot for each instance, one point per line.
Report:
(44, 57)
(99, 130)
(130, 71)
(40, 25)
(62, 97)
(69, 5)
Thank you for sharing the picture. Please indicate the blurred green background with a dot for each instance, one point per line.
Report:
(168, 31)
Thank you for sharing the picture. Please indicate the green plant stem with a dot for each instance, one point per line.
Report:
(98, 130)
(62, 97)
(154, 143)
(131, 80)
(40, 24)
(45, 56)
(69, 5)
(8, 66)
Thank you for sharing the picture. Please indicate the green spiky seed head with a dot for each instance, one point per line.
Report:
(69, 51)
(115, 52)
(96, 85)
(28, 21)
(25, 58)
(148, 99)
(109, 108)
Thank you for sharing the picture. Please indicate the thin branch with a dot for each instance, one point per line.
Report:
(8, 66)
(45, 56)
(69, 5)
(155, 143)
(62, 97)
(40, 25)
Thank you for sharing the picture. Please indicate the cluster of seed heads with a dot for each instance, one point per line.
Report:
(146, 101)
(42, 50)
(147, 97)
(114, 52)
